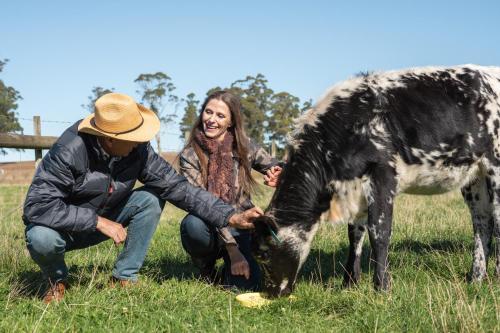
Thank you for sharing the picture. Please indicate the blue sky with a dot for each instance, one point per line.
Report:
(59, 50)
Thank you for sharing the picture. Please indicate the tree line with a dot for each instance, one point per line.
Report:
(268, 114)
(8, 106)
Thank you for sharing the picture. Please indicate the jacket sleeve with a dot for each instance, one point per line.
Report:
(46, 201)
(261, 159)
(191, 171)
(161, 177)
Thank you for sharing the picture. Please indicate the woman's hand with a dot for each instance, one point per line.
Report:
(239, 265)
(272, 176)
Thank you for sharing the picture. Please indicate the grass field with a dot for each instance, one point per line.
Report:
(430, 256)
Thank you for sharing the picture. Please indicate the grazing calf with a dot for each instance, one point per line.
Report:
(420, 131)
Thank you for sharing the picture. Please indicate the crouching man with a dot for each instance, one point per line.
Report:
(83, 193)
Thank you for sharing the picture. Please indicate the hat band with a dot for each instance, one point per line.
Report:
(116, 133)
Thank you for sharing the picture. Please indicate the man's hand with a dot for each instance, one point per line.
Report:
(244, 220)
(239, 265)
(272, 176)
(113, 230)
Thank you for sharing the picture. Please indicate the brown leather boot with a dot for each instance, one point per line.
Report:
(114, 283)
(55, 291)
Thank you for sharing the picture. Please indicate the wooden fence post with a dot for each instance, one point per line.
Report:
(37, 128)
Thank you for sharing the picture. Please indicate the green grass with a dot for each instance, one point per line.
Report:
(430, 256)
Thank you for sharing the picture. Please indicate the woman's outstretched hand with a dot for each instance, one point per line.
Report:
(272, 176)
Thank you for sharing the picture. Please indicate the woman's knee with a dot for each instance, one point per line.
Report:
(44, 241)
(198, 239)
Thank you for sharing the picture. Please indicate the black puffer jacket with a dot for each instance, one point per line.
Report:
(71, 185)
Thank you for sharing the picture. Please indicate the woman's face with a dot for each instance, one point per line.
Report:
(216, 119)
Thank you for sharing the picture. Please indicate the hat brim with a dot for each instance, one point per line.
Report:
(144, 133)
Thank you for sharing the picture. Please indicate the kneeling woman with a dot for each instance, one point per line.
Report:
(219, 157)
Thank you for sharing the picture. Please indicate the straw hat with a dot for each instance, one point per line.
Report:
(118, 116)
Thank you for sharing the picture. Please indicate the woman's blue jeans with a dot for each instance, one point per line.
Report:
(200, 240)
(140, 213)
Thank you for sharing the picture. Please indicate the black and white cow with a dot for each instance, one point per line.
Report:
(422, 131)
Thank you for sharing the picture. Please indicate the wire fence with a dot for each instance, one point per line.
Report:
(48, 121)
(170, 140)
(69, 123)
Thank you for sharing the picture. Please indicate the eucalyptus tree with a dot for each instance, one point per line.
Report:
(9, 97)
(156, 92)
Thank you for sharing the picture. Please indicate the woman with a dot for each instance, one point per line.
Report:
(219, 157)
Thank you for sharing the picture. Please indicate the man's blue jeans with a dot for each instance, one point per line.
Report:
(140, 212)
(201, 241)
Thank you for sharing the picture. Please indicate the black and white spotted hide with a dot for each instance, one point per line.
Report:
(420, 131)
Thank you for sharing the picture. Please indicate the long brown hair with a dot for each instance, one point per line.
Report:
(241, 141)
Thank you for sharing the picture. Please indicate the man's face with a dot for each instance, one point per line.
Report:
(116, 147)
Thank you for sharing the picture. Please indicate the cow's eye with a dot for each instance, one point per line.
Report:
(263, 255)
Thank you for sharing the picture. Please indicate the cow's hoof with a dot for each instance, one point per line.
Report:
(350, 281)
(383, 284)
(477, 276)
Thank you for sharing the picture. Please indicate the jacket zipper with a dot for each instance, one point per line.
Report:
(109, 189)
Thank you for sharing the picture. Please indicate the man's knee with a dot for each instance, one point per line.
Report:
(150, 202)
(44, 241)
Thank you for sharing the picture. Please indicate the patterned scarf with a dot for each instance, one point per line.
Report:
(220, 165)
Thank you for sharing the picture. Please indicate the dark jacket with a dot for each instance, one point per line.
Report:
(71, 185)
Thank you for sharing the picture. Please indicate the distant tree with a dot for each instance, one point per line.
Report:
(306, 106)
(156, 92)
(256, 102)
(8, 104)
(364, 73)
(284, 109)
(210, 91)
(95, 94)
(268, 116)
(190, 114)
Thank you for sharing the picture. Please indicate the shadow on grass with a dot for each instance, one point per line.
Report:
(169, 268)
(419, 247)
(321, 265)
(27, 284)
(31, 283)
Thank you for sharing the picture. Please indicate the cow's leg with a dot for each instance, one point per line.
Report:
(353, 267)
(478, 198)
(496, 232)
(495, 190)
(380, 208)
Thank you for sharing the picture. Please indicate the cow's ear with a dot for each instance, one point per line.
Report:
(264, 225)
(271, 222)
(261, 225)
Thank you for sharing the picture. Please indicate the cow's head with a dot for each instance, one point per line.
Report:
(280, 252)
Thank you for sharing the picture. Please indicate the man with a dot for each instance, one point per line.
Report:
(82, 193)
